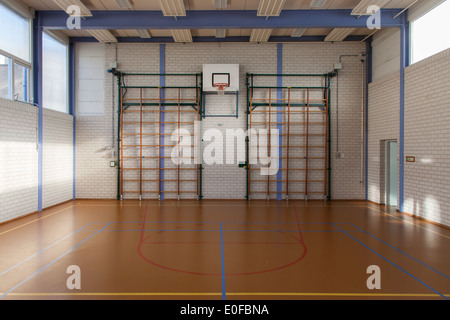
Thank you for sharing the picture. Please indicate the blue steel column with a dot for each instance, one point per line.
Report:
(368, 81)
(404, 61)
(37, 92)
(280, 119)
(162, 71)
(72, 109)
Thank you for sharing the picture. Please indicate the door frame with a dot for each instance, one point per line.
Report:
(387, 171)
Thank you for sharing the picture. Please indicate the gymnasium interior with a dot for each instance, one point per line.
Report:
(224, 150)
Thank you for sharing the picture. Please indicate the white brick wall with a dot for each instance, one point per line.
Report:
(320, 58)
(57, 171)
(95, 179)
(18, 160)
(427, 133)
(384, 120)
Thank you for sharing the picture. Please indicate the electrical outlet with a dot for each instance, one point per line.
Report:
(340, 155)
(112, 164)
(337, 66)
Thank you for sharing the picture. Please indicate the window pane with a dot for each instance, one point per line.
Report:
(4, 76)
(54, 74)
(15, 33)
(430, 33)
(20, 83)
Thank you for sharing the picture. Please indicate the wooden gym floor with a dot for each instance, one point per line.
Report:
(223, 250)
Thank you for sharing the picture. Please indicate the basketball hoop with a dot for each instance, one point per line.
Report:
(221, 87)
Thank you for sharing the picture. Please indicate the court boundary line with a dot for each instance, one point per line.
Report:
(38, 219)
(224, 292)
(400, 268)
(365, 205)
(219, 294)
(404, 253)
(43, 250)
(49, 264)
(243, 205)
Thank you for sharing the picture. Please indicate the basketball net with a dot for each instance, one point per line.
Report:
(221, 87)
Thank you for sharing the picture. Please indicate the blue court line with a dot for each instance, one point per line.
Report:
(181, 230)
(61, 256)
(404, 253)
(215, 222)
(46, 248)
(223, 263)
(412, 276)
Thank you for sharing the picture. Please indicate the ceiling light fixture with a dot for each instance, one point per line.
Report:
(143, 34)
(103, 36)
(270, 8)
(221, 4)
(124, 4)
(339, 34)
(317, 3)
(65, 4)
(260, 35)
(182, 35)
(361, 8)
(221, 33)
(173, 8)
(298, 33)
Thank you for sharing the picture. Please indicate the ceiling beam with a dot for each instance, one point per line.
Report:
(221, 19)
(274, 39)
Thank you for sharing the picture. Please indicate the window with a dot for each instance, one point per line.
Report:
(15, 57)
(4, 76)
(15, 35)
(55, 74)
(21, 76)
(429, 33)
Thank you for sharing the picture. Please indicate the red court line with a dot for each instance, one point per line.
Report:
(143, 239)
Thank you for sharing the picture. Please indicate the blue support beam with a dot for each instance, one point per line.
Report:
(162, 83)
(275, 39)
(404, 62)
(37, 98)
(220, 19)
(72, 109)
(368, 81)
(280, 119)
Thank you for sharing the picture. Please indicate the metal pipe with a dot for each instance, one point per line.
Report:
(307, 148)
(140, 149)
(288, 142)
(326, 142)
(287, 75)
(119, 137)
(159, 144)
(121, 142)
(269, 153)
(179, 128)
(362, 120)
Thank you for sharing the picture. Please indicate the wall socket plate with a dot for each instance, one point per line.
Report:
(337, 66)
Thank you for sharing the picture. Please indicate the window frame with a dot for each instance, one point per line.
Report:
(57, 39)
(411, 22)
(16, 60)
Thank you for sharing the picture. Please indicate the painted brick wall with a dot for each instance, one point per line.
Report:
(427, 136)
(384, 120)
(95, 179)
(57, 171)
(18, 160)
(346, 174)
